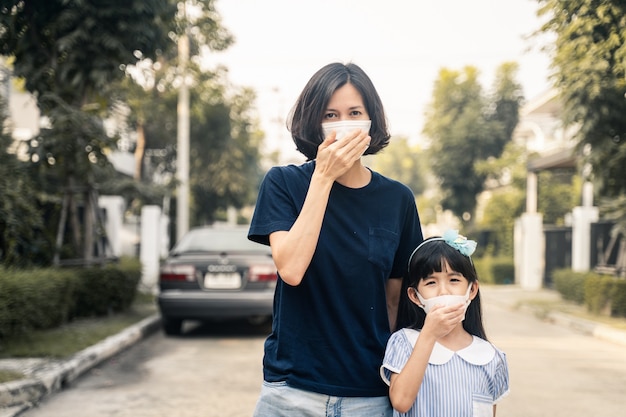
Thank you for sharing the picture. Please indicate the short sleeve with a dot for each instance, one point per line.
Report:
(397, 353)
(501, 377)
(275, 209)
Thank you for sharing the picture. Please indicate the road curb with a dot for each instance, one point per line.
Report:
(18, 396)
(586, 327)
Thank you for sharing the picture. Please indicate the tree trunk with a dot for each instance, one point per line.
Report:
(139, 152)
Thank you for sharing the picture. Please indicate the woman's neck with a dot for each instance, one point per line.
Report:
(357, 176)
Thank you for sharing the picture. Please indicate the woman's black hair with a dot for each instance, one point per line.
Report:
(306, 116)
(429, 258)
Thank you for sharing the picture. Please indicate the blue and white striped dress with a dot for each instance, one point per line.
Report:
(465, 383)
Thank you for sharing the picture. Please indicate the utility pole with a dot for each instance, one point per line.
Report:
(182, 150)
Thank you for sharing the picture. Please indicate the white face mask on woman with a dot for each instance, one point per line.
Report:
(444, 300)
(344, 127)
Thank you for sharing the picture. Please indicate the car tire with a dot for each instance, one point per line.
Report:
(172, 327)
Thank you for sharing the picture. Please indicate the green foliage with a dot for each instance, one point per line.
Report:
(571, 285)
(618, 299)
(225, 163)
(33, 299)
(495, 270)
(74, 48)
(21, 222)
(589, 59)
(556, 196)
(504, 206)
(467, 128)
(598, 289)
(602, 294)
(44, 298)
(104, 290)
(69, 52)
(403, 162)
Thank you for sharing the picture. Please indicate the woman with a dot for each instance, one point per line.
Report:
(340, 235)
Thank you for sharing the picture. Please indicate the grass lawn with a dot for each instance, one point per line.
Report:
(73, 337)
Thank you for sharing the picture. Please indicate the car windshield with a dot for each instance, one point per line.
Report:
(218, 240)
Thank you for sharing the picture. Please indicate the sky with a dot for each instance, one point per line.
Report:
(401, 44)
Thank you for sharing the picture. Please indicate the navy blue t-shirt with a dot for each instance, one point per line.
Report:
(329, 333)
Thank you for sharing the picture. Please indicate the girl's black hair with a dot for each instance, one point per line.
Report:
(306, 116)
(430, 258)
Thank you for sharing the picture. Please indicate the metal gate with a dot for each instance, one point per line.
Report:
(558, 253)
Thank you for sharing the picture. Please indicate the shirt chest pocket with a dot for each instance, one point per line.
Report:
(383, 244)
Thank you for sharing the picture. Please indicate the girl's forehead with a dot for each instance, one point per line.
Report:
(444, 267)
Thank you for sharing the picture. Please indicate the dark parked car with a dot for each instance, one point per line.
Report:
(216, 273)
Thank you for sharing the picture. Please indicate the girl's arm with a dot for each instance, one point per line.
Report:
(403, 387)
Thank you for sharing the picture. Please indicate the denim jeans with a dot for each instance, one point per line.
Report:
(277, 399)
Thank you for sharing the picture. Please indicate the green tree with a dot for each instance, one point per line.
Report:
(69, 52)
(21, 221)
(465, 128)
(589, 62)
(506, 180)
(225, 159)
(402, 162)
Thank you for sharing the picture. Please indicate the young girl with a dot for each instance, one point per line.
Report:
(444, 365)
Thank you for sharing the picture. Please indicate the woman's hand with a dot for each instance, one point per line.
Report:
(336, 157)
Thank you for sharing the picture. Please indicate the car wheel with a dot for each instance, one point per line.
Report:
(172, 327)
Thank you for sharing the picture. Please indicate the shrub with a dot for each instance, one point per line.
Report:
(106, 290)
(618, 304)
(43, 298)
(495, 270)
(34, 299)
(570, 284)
(598, 290)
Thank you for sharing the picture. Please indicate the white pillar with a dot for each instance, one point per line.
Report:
(582, 217)
(150, 246)
(114, 221)
(531, 192)
(529, 252)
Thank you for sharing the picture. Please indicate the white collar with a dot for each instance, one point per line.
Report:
(479, 352)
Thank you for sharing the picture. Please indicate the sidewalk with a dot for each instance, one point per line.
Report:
(538, 302)
(48, 377)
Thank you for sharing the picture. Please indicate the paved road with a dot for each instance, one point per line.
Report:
(212, 371)
(216, 371)
(556, 372)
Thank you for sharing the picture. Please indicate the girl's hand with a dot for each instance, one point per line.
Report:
(335, 158)
(440, 321)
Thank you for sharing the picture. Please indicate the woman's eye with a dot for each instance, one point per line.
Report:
(355, 113)
(329, 116)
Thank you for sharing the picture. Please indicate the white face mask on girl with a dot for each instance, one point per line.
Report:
(344, 127)
(444, 300)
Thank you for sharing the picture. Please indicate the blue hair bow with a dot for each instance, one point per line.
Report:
(460, 243)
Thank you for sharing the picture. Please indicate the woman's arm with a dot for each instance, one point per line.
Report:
(293, 250)
(393, 289)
